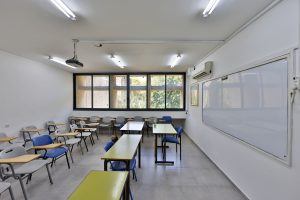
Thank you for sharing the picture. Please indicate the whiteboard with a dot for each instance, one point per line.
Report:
(252, 106)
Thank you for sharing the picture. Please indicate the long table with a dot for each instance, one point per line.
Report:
(133, 126)
(162, 129)
(101, 185)
(124, 150)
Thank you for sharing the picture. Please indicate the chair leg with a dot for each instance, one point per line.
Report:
(11, 193)
(80, 146)
(28, 178)
(70, 152)
(91, 139)
(67, 160)
(130, 193)
(52, 162)
(23, 188)
(49, 174)
(85, 144)
(176, 147)
(180, 148)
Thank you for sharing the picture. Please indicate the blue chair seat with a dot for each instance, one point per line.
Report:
(170, 139)
(53, 153)
(121, 166)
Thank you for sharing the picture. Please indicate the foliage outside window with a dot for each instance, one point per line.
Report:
(152, 91)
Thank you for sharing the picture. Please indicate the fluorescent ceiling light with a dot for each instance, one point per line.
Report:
(210, 7)
(175, 60)
(117, 61)
(60, 61)
(63, 8)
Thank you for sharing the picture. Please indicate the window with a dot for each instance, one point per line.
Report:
(118, 91)
(144, 91)
(138, 91)
(83, 92)
(101, 91)
(174, 91)
(157, 92)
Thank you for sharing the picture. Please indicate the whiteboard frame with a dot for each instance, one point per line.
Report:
(289, 55)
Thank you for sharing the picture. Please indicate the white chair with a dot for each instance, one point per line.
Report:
(27, 134)
(106, 123)
(81, 134)
(6, 186)
(120, 121)
(19, 172)
(150, 122)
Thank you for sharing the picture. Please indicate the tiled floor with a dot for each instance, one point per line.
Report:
(194, 177)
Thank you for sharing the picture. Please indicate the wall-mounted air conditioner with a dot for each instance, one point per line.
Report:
(205, 71)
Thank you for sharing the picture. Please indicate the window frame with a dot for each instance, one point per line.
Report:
(128, 92)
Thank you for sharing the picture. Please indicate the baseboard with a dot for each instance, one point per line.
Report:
(216, 165)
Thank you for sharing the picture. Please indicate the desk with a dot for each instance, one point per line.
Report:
(162, 129)
(19, 159)
(133, 126)
(29, 131)
(124, 150)
(7, 139)
(101, 185)
(48, 146)
(70, 134)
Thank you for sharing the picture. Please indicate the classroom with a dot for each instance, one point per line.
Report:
(150, 100)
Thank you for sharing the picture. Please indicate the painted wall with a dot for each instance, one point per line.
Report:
(32, 93)
(257, 175)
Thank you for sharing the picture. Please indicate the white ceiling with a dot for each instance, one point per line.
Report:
(36, 29)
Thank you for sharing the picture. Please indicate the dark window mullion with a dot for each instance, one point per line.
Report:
(92, 95)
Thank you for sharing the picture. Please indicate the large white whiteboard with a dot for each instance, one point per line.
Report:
(252, 106)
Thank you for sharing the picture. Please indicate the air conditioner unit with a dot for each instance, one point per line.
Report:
(207, 70)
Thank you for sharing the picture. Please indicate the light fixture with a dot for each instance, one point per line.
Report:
(175, 60)
(63, 8)
(210, 7)
(60, 61)
(117, 61)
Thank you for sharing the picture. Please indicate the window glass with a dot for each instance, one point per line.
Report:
(157, 92)
(118, 91)
(83, 91)
(101, 91)
(174, 91)
(138, 91)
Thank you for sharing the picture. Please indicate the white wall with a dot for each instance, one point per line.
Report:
(32, 93)
(257, 175)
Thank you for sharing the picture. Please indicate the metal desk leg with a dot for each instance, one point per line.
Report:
(139, 152)
(127, 191)
(155, 148)
(105, 165)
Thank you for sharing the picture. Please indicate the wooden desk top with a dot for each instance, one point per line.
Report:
(7, 139)
(86, 129)
(57, 124)
(70, 134)
(92, 124)
(124, 148)
(20, 159)
(133, 126)
(100, 185)
(164, 129)
(48, 146)
(33, 130)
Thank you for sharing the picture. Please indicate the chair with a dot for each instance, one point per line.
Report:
(94, 119)
(54, 153)
(52, 128)
(138, 119)
(19, 172)
(106, 123)
(167, 119)
(150, 122)
(120, 121)
(27, 135)
(71, 120)
(82, 124)
(6, 186)
(4, 145)
(174, 139)
(82, 135)
(121, 166)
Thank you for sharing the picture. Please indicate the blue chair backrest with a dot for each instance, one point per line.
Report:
(179, 130)
(167, 119)
(42, 140)
(108, 145)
